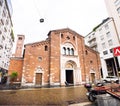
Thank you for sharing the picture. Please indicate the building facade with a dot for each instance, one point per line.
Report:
(6, 36)
(62, 57)
(103, 39)
(113, 8)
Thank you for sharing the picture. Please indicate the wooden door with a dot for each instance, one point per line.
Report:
(93, 77)
(38, 79)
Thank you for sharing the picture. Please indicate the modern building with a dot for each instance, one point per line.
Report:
(113, 8)
(62, 57)
(103, 38)
(6, 36)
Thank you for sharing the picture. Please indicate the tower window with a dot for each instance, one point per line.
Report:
(20, 38)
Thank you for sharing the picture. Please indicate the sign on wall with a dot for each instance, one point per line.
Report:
(116, 51)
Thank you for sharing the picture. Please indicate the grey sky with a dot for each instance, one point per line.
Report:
(79, 15)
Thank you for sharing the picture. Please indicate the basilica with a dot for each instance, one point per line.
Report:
(62, 57)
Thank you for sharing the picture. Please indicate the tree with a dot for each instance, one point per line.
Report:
(13, 76)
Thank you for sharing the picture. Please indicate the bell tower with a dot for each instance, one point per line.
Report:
(19, 45)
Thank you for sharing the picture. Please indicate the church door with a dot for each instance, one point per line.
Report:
(69, 76)
(38, 80)
(93, 77)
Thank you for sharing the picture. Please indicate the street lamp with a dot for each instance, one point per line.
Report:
(41, 20)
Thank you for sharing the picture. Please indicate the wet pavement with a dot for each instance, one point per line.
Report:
(58, 96)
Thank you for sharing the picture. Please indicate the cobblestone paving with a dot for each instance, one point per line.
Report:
(62, 96)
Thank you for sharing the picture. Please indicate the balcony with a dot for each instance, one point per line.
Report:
(91, 38)
(93, 44)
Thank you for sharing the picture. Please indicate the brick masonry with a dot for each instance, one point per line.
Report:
(48, 59)
(16, 65)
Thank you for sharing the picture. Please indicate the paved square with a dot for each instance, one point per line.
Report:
(44, 96)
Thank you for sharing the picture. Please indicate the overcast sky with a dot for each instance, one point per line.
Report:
(79, 15)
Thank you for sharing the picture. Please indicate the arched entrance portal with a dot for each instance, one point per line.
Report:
(38, 76)
(70, 67)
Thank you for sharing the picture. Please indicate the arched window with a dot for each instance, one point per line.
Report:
(73, 37)
(68, 51)
(86, 52)
(72, 51)
(46, 48)
(61, 35)
(64, 50)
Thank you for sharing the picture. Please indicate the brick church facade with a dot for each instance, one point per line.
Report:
(62, 57)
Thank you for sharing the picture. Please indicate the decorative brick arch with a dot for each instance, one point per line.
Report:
(39, 70)
(70, 64)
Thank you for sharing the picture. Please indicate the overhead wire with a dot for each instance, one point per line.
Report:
(39, 12)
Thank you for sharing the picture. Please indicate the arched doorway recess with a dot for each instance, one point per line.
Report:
(70, 68)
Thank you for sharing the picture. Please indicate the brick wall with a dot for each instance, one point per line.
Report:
(92, 63)
(36, 56)
(16, 65)
(54, 57)
(46, 55)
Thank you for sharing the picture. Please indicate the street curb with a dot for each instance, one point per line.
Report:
(81, 104)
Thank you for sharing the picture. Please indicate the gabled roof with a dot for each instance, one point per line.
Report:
(87, 47)
(57, 31)
(63, 30)
(39, 42)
